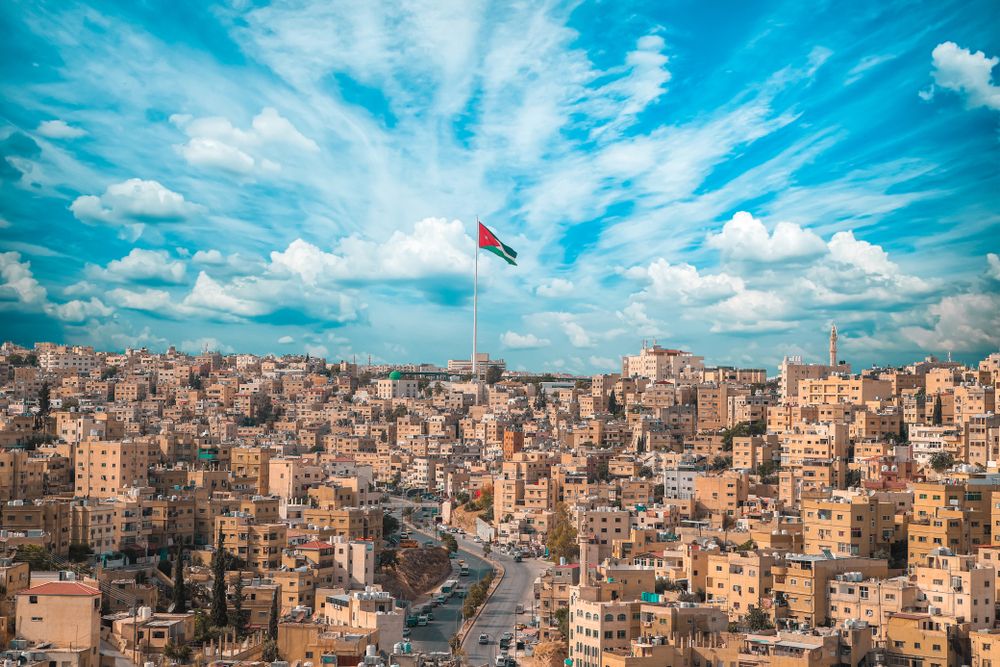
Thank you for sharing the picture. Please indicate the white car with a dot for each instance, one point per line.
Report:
(477, 539)
(484, 638)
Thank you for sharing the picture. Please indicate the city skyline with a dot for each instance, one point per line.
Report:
(295, 180)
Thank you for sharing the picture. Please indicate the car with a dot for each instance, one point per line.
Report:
(477, 540)
(422, 619)
(406, 633)
(507, 635)
(519, 609)
(484, 638)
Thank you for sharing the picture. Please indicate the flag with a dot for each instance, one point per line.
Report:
(489, 241)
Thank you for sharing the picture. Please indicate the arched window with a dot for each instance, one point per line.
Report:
(621, 617)
(609, 617)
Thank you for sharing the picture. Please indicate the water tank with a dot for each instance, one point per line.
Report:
(370, 650)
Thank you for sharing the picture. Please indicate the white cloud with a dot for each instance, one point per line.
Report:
(18, 282)
(80, 311)
(516, 341)
(206, 152)
(746, 238)
(993, 265)
(141, 265)
(211, 295)
(750, 311)
(554, 288)
(152, 300)
(683, 282)
(638, 321)
(4, 224)
(59, 129)
(134, 201)
(871, 259)
(964, 323)
(436, 247)
(286, 340)
(966, 73)
(315, 350)
(214, 142)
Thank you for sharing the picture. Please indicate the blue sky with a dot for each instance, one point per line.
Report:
(729, 178)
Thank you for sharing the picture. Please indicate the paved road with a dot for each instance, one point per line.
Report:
(498, 615)
(434, 636)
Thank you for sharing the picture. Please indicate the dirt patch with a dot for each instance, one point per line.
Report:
(465, 519)
(417, 572)
(547, 654)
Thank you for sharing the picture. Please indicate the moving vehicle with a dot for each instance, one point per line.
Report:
(449, 586)
(517, 557)
(464, 571)
(411, 621)
(407, 632)
(519, 609)
(408, 544)
(422, 619)
(484, 638)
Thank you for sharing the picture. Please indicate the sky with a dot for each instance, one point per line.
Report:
(305, 177)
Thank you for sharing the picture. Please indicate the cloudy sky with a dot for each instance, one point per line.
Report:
(305, 176)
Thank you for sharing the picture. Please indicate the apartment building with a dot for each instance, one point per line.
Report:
(855, 526)
(801, 583)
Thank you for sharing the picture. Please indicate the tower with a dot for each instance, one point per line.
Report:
(833, 345)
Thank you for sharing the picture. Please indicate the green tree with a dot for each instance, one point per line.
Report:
(613, 406)
(44, 402)
(721, 462)
(756, 619)
(561, 539)
(390, 524)
(80, 552)
(38, 558)
(493, 375)
(562, 621)
(937, 417)
(180, 653)
(238, 619)
(853, 478)
(269, 652)
(450, 543)
(272, 621)
(942, 461)
(179, 596)
(220, 613)
(541, 400)
(767, 471)
(487, 549)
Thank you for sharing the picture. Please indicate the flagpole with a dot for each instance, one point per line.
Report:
(475, 309)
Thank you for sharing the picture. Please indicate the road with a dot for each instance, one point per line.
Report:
(498, 615)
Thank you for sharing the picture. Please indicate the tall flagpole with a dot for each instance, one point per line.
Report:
(475, 308)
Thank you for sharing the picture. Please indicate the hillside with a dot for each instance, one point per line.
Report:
(417, 572)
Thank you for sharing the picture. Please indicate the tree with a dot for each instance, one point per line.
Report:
(272, 622)
(269, 652)
(44, 402)
(942, 461)
(238, 619)
(645, 472)
(493, 374)
(180, 653)
(38, 558)
(387, 558)
(561, 540)
(938, 416)
(756, 619)
(853, 478)
(79, 552)
(220, 613)
(541, 400)
(450, 543)
(741, 430)
(721, 462)
(179, 597)
(562, 620)
(487, 549)
(613, 406)
(390, 524)
(767, 471)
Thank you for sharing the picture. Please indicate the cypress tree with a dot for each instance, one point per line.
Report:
(180, 589)
(220, 615)
(938, 417)
(272, 624)
(613, 403)
(239, 618)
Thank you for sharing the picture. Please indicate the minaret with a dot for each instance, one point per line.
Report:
(833, 345)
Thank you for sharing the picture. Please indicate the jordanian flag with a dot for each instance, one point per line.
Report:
(489, 241)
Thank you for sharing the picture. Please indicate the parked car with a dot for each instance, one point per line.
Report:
(484, 638)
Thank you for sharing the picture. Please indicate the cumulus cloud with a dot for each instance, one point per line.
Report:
(603, 362)
(683, 282)
(993, 265)
(59, 129)
(141, 265)
(966, 73)
(133, 202)
(286, 340)
(17, 282)
(516, 341)
(869, 258)
(19, 287)
(554, 288)
(746, 238)
(214, 142)
(436, 247)
(961, 323)
(750, 311)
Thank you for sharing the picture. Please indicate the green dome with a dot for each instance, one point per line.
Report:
(395, 375)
